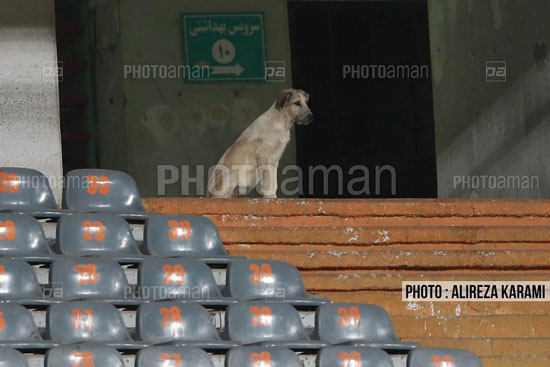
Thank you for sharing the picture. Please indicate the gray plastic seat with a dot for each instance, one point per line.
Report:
(19, 329)
(77, 322)
(91, 234)
(358, 324)
(271, 280)
(27, 191)
(268, 324)
(177, 278)
(103, 191)
(444, 357)
(178, 323)
(349, 356)
(184, 235)
(263, 357)
(22, 235)
(85, 354)
(163, 356)
(90, 278)
(12, 358)
(19, 282)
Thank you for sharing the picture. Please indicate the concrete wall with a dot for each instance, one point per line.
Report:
(151, 122)
(491, 129)
(29, 100)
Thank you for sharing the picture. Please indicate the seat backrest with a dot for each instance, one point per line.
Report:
(176, 278)
(262, 357)
(258, 321)
(24, 189)
(83, 355)
(169, 356)
(100, 190)
(74, 322)
(17, 324)
(182, 235)
(91, 234)
(159, 322)
(19, 281)
(22, 235)
(257, 279)
(89, 278)
(12, 358)
(444, 357)
(354, 356)
(343, 322)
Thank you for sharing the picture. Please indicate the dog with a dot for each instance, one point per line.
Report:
(255, 155)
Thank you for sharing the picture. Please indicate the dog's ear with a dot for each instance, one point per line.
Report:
(283, 99)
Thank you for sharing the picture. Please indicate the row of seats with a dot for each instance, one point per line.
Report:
(158, 278)
(93, 234)
(85, 328)
(24, 190)
(179, 323)
(90, 355)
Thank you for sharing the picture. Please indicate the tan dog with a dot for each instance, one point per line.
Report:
(254, 157)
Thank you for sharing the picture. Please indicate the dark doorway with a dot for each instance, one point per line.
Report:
(367, 118)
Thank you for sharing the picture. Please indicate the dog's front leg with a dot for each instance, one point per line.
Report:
(268, 175)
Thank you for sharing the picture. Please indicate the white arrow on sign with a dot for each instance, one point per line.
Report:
(235, 69)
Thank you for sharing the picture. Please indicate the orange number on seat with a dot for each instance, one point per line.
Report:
(2, 272)
(262, 359)
(259, 272)
(83, 359)
(98, 184)
(9, 182)
(87, 273)
(170, 315)
(173, 274)
(445, 361)
(93, 231)
(170, 359)
(351, 359)
(83, 319)
(7, 231)
(262, 316)
(2, 321)
(179, 230)
(349, 317)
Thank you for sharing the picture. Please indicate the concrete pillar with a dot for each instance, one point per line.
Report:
(29, 96)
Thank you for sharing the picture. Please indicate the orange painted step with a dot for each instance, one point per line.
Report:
(351, 207)
(383, 236)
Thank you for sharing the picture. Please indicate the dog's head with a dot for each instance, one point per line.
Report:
(294, 103)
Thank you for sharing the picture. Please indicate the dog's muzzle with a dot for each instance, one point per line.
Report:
(307, 120)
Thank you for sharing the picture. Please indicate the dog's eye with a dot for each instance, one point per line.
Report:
(298, 103)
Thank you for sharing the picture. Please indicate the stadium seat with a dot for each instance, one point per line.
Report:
(183, 235)
(83, 355)
(177, 278)
(263, 357)
(27, 191)
(268, 324)
(90, 278)
(178, 323)
(19, 282)
(12, 358)
(22, 235)
(92, 234)
(104, 191)
(171, 356)
(77, 322)
(443, 357)
(268, 279)
(17, 325)
(358, 324)
(348, 356)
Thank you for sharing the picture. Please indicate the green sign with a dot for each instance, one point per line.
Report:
(231, 45)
